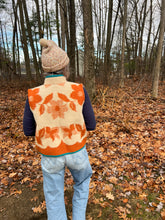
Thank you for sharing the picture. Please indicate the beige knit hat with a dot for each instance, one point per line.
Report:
(53, 57)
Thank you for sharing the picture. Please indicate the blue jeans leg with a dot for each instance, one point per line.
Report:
(53, 185)
(81, 172)
(81, 192)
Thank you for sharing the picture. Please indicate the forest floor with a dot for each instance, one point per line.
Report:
(126, 151)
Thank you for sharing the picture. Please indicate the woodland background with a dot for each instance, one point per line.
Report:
(117, 49)
(118, 38)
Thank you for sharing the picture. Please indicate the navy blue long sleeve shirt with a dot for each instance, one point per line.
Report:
(29, 124)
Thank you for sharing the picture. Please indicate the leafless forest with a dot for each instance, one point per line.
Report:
(104, 39)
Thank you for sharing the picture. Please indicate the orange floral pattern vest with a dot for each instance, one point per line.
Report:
(57, 109)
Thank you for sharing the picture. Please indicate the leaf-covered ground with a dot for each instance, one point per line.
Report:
(126, 151)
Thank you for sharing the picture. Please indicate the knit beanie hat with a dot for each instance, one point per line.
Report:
(53, 57)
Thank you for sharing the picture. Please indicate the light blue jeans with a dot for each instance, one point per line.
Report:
(53, 169)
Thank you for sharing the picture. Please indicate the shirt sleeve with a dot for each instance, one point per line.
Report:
(88, 113)
(29, 124)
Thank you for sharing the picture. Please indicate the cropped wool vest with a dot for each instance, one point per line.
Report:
(57, 109)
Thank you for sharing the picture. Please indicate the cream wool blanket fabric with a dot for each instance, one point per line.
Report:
(57, 109)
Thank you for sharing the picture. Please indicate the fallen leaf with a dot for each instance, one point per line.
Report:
(108, 187)
(143, 196)
(37, 209)
(34, 199)
(100, 214)
(12, 175)
(15, 192)
(125, 200)
(34, 189)
(35, 163)
(163, 214)
(110, 196)
(40, 208)
(25, 180)
(105, 204)
(113, 180)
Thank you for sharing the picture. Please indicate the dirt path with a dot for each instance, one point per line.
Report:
(20, 206)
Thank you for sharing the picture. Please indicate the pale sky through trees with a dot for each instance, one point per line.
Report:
(6, 17)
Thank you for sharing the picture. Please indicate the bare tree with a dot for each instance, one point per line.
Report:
(14, 34)
(38, 76)
(41, 33)
(24, 42)
(88, 48)
(107, 64)
(163, 68)
(3, 53)
(47, 19)
(100, 10)
(156, 70)
(43, 15)
(72, 43)
(67, 17)
(121, 83)
(58, 24)
(143, 19)
(68, 32)
(148, 39)
(62, 24)
(153, 50)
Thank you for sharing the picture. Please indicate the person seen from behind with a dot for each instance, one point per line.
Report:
(59, 114)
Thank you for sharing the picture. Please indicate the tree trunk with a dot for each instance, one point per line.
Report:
(163, 68)
(98, 26)
(114, 24)
(121, 83)
(156, 71)
(88, 48)
(14, 34)
(3, 59)
(153, 53)
(72, 23)
(41, 33)
(18, 56)
(103, 43)
(6, 41)
(137, 34)
(43, 16)
(107, 65)
(18, 49)
(46, 20)
(148, 40)
(66, 26)
(77, 59)
(24, 42)
(140, 64)
(38, 76)
(62, 24)
(58, 24)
